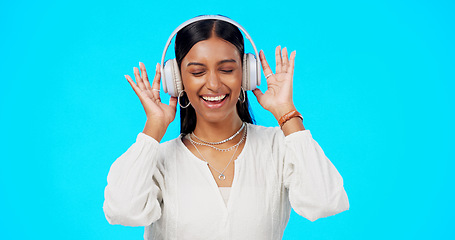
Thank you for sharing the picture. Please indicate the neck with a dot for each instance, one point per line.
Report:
(217, 131)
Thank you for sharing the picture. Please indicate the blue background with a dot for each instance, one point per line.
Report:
(373, 79)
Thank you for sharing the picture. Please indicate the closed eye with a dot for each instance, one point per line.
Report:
(197, 74)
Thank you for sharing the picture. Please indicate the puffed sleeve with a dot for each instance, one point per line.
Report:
(315, 187)
(133, 193)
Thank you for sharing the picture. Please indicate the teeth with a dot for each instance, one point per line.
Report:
(217, 98)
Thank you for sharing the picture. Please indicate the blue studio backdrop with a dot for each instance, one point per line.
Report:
(374, 81)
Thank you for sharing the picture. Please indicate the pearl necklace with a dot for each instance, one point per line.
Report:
(223, 141)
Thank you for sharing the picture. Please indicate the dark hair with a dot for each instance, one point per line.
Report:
(186, 38)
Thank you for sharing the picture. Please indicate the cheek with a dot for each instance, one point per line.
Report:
(190, 83)
(236, 81)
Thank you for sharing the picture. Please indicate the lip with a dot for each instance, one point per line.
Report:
(214, 105)
(219, 96)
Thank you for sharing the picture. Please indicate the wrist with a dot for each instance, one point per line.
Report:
(289, 116)
(282, 110)
(289, 119)
(154, 129)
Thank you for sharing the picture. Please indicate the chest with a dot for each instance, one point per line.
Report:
(220, 164)
(193, 201)
(195, 183)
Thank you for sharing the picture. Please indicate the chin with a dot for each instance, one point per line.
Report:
(218, 115)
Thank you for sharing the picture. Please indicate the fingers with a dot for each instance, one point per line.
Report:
(291, 63)
(139, 81)
(278, 59)
(136, 89)
(145, 78)
(285, 61)
(265, 65)
(282, 60)
(258, 93)
(173, 102)
(143, 84)
(156, 82)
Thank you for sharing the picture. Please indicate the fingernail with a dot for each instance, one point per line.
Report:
(157, 66)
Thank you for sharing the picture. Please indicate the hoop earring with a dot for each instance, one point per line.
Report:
(178, 100)
(244, 96)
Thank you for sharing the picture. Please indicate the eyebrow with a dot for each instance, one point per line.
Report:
(227, 60)
(221, 62)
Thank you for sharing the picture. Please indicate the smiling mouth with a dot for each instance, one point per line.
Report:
(214, 99)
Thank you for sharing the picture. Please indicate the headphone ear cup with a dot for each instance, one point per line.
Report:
(178, 84)
(250, 74)
(172, 81)
(245, 73)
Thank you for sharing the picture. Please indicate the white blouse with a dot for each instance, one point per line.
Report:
(225, 191)
(171, 192)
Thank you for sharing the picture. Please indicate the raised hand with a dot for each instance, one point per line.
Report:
(159, 115)
(278, 97)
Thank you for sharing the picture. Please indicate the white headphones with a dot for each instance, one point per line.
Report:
(172, 82)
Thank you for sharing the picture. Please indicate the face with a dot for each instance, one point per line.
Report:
(212, 77)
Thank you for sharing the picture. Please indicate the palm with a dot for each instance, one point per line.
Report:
(278, 91)
(155, 108)
(279, 85)
(150, 97)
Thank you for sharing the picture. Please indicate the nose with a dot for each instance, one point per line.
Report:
(213, 82)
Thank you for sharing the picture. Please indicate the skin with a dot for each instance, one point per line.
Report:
(213, 68)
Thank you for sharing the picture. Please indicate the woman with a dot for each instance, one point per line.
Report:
(223, 177)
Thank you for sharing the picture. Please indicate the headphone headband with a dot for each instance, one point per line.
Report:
(207, 17)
